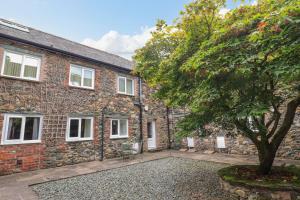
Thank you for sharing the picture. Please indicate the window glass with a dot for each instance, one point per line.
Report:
(21, 129)
(86, 128)
(114, 128)
(30, 67)
(14, 128)
(129, 86)
(74, 126)
(13, 64)
(32, 126)
(123, 127)
(122, 85)
(87, 78)
(149, 129)
(76, 76)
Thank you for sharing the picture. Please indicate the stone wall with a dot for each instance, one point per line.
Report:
(55, 100)
(290, 147)
(259, 193)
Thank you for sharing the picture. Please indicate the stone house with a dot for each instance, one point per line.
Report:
(63, 103)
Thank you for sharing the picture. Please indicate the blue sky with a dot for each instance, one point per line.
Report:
(106, 24)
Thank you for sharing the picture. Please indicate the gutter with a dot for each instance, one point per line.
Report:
(66, 53)
(141, 114)
(102, 134)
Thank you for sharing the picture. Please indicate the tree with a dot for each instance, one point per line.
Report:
(227, 69)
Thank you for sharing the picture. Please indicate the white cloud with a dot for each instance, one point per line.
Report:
(120, 44)
(223, 11)
(254, 3)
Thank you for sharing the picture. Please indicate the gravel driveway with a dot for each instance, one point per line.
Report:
(169, 178)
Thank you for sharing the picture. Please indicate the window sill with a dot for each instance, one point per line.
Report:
(79, 140)
(83, 88)
(20, 79)
(14, 143)
(116, 137)
(131, 95)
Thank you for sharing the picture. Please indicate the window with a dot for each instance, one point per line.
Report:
(149, 130)
(251, 124)
(80, 129)
(21, 66)
(119, 128)
(125, 85)
(19, 129)
(82, 77)
(221, 142)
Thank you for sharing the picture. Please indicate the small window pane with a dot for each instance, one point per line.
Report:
(32, 127)
(129, 86)
(14, 128)
(149, 129)
(31, 67)
(13, 64)
(76, 76)
(86, 125)
(87, 78)
(114, 127)
(122, 85)
(74, 125)
(123, 127)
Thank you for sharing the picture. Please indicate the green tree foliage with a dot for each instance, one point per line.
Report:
(227, 69)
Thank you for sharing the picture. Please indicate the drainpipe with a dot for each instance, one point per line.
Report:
(102, 134)
(168, 126)
(141, 114)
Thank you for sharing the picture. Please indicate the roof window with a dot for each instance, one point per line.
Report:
(14, 25)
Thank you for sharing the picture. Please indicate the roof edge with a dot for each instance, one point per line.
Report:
(52, 49)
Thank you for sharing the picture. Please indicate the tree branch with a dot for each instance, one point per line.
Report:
(277, 118)
(287, 122)
(275, 114)
(248, 132)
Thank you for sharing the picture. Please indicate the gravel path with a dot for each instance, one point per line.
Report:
(169, 178)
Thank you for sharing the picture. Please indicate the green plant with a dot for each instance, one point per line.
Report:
(229, 69)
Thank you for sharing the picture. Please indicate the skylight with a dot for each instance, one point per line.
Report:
(14, 25)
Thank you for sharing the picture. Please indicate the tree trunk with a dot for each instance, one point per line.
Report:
(266, 156)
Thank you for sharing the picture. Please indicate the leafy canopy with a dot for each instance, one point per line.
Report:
(226, 68)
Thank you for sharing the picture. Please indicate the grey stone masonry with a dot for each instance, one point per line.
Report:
(53, 98)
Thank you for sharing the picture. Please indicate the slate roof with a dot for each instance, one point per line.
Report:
(53, 42)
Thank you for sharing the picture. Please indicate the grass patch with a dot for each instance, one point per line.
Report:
(280, 178)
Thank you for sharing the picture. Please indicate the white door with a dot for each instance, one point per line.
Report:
(151, 135)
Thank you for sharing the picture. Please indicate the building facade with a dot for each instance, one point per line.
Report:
(64, 103)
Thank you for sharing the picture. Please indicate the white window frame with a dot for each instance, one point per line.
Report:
(22, 66)
(82, 76)
(118, 136)
(123, 77)
(4, 141)
(79, 138)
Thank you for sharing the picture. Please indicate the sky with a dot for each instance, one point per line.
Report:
(116, 26)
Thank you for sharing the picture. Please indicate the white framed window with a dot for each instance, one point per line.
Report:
(125, 85)
(81, 77)
(21, 129)
(21, 66)
(79, 128)
(119, 128)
